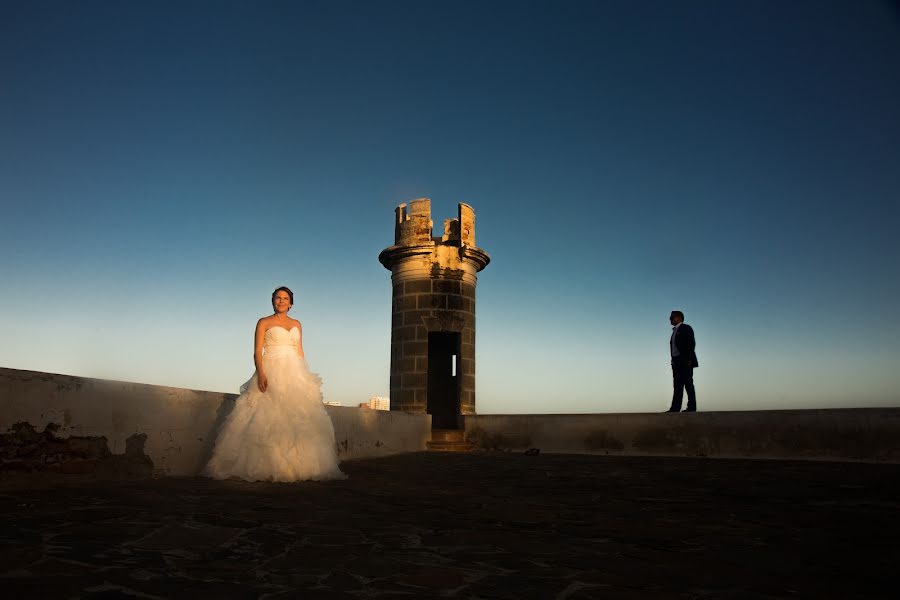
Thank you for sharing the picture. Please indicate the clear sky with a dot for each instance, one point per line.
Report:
(165, 165)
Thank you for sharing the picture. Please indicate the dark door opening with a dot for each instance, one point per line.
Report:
(443, 380)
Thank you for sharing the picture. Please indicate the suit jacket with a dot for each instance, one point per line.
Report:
(684, 341)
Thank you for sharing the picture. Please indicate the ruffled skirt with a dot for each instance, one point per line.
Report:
(282, 434)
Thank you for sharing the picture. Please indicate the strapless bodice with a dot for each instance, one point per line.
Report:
(280, 341)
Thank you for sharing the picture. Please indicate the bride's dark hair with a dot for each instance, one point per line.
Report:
(283, 289)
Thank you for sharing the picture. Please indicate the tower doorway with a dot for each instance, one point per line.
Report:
(443, 379)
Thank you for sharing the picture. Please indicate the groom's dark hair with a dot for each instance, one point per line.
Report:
(283, 289)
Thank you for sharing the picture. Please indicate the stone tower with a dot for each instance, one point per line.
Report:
(433, 324)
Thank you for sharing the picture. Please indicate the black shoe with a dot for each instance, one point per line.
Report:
(690, 409)
(673, 410)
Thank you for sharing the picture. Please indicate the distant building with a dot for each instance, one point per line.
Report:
(379, 403)
(364, 405)
(331, 403)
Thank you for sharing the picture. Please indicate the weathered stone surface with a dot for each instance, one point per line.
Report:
(117, 423)
(434, 281)
(492, 440)
(23, 449)
(444, 286)
(481, 525)
(415, 349)
(421, 286)
(836, 434)
(602, 440)
(455, 302)
(414, 317)
(431, 301)
(402, 303)
(414, 380)
(404, 334)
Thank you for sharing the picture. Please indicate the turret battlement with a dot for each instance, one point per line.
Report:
(414, 226)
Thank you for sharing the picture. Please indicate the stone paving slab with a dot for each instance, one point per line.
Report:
(478, 525)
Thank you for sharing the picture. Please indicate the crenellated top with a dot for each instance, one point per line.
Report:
(414, 225)
(413, 235)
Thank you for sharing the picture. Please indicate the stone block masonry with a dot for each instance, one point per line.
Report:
(421, 307)
(433, 312)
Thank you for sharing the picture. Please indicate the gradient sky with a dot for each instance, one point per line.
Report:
(165, 165)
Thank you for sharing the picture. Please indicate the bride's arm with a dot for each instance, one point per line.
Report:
(300, 341)
(261, 380)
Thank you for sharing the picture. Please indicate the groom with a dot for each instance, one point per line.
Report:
(684, 360)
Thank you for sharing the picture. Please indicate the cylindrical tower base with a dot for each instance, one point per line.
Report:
(433, 316)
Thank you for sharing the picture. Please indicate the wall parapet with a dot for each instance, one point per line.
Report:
(180, 425)
(851, 434)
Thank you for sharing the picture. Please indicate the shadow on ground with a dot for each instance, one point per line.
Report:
(480, 525)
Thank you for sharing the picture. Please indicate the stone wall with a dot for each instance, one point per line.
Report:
(423, 306)
(24, 450)
(177, 427)
(72, 423)
(869, 434)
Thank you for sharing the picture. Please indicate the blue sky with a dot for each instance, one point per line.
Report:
(165, 165)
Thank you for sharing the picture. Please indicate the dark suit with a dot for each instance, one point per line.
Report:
(683, 367)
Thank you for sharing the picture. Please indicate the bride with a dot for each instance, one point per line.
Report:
(278, 430)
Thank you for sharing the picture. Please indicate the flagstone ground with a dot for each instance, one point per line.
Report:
(477, 525)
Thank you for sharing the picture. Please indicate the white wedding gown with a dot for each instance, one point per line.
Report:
(284, 433)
